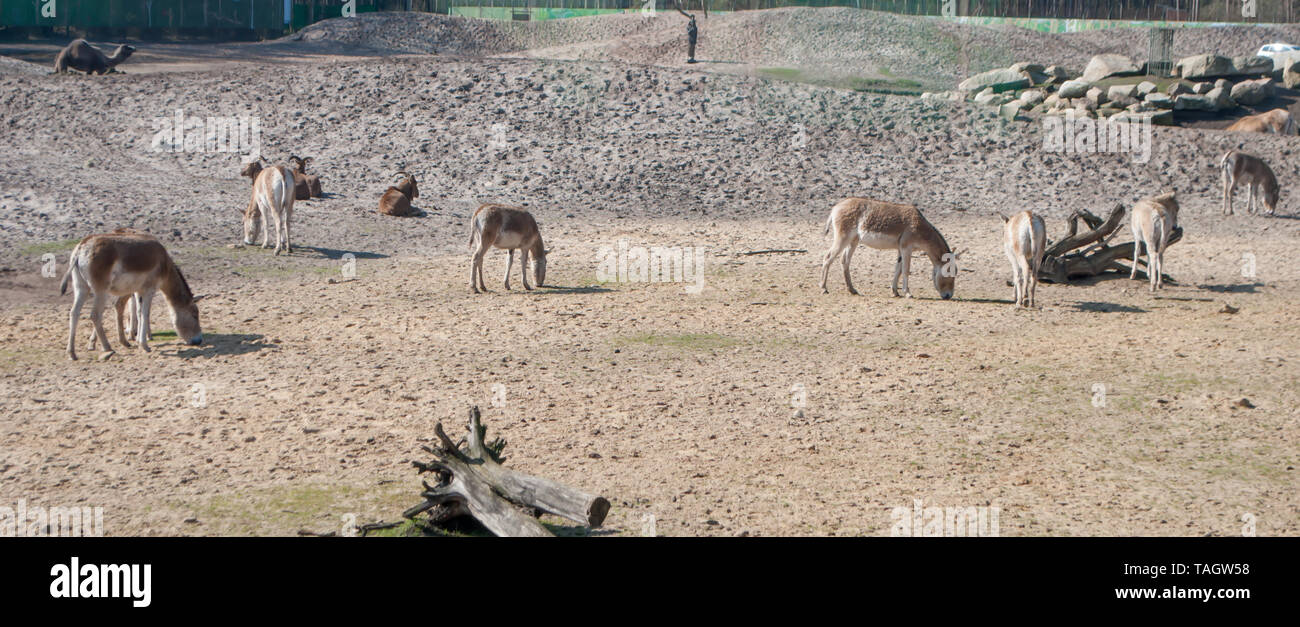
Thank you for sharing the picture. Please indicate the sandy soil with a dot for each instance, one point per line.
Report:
(318, 387)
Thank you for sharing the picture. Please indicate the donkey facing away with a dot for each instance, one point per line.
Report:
(1153, 222)
(889, 226)
(128, 264)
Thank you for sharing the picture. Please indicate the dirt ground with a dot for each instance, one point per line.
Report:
(759, 406)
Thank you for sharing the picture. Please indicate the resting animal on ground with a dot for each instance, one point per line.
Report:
(81, 56)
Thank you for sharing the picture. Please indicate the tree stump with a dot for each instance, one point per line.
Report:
(1062, 261)
(472, 481)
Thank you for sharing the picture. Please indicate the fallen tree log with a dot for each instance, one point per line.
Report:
(472, 481)
(1063, 261)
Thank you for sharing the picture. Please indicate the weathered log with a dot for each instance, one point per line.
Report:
(472, 481)
(1060, 264)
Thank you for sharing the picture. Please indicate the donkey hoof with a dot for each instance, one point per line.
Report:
(106, 355)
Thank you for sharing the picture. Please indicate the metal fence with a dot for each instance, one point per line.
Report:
(275, 17)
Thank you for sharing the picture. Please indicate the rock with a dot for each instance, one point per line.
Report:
(985, 97)
(1223, 83)
(1291, 76)
(1051, 101)
(1282, 61)
(999, 81)
(1036, 68)
(1178, 87)
(1074, 89)
(1096, 96)
(1159, 100)
(1104, 65)
(1252, 65)
(1121, 91)
(1193, 102)
(1122, 101)
(1164, 118)
(1058, 73)
(1010, 110)
(1145, 87)
(1032, 97)
(1202, 88)
(1252, 92)
(1204, 66)
(1220, 99)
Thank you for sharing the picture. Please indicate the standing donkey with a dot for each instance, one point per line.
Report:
(889, 226)
(1154, 219)
(125, 264)
(1024, 240)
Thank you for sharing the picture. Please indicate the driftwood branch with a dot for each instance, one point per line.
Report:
(472, 481)
(1063, 261)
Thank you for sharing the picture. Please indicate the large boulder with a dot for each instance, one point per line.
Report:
(1201, 89)
(1097, 97)
(1252, 65)
(1005, 79)
(1220, 98)
(1117, 92)
(1074, 89)
(1145, 87)
(1058, 73)
(1159, 100)
(1104, 65)
(1204, 66)
(1291, 75)
(1193, 102)
(1252, 92)
(1032, 98)
(1010, 110)
(1177, 87)
(1282, 61)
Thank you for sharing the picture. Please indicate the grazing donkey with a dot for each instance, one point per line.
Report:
(1154, 219)
(1024, 239)
(1238, 168)
(125, 264)
(889, 226)
(510, 228)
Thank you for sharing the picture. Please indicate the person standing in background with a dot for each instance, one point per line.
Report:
(691, 34)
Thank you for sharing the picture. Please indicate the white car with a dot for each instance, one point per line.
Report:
(1274, 50)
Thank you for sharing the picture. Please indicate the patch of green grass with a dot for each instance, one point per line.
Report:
(685, 341)
(888, 85)
(314, 507)
(40, 248)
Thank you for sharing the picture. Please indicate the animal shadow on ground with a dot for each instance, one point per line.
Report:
(989, 301)
(331, 253)
(1097, 307)
(1234, 288)
(580, 289)
(226, 344)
